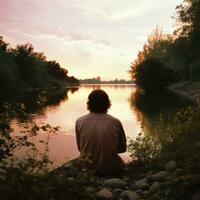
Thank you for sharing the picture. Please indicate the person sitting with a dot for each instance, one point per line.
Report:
(100, 136)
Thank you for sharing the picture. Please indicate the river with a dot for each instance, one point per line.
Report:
(62, 108)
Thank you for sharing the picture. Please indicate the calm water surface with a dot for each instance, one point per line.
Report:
(127, 105)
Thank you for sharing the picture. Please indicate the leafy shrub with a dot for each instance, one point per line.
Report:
(31, 176)
(178, 140)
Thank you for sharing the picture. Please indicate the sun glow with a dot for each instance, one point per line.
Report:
(89, 38)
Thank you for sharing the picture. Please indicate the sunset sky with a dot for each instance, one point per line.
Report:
(88, 37)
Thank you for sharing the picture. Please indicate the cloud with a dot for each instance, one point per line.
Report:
(87, 33)
(76, 36)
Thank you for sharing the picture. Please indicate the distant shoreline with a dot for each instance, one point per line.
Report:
(131, 84)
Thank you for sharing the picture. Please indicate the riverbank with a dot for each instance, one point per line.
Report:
(188, 89)
(68, 85)
(145, 178)
(166, 165)
(138, 182)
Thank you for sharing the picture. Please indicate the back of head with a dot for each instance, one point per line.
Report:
(98, 101)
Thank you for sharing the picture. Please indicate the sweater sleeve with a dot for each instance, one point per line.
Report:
(77, 136)
(122, 139)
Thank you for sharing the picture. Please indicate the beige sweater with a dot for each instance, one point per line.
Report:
(101, 136)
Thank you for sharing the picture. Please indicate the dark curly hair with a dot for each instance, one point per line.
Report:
(98, 101)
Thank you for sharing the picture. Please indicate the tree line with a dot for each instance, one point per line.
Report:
(169, 58)
(23, 68)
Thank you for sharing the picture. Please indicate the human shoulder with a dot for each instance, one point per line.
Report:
(84, 117)
(114, 119)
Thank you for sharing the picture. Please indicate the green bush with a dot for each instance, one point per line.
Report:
(31, 176)
(178, 140)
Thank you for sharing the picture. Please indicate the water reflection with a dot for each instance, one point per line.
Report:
(62, 108)
(155, 109)
(133, 107)
(116, 86)
(36, 102)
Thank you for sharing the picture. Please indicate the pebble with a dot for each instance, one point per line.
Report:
(138, 191)
(167, 192)
(171, 166)
(155, 186)
(115, 183)
(141, 184)
(129, 195)
(68, 165)
(90, 189)
(145, 192)
(118, 190)
(125, 178)
(160, 176)
(104, 193)
(70, 179)
(178, 171)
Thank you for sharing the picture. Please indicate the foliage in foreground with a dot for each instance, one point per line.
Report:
(31, 177)
(25, 172)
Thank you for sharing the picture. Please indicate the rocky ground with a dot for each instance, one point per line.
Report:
(144, 185)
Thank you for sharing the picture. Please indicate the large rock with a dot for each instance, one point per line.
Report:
(104, 193)
(141, 184)
(115, 183)
(129, 195)
(160, 176)
(171, 166)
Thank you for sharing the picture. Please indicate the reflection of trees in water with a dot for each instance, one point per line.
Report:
(73, 89)
(155, 109)
(99, 86)
(36, 102)
(55, 97)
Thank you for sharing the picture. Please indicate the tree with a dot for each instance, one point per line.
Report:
(188, 18)
(3, 46)
(27, 67)
(179, 52)
(152, 75)
(55, 70)
(72, 79)
(8, 69)
(22, 68)
(188, 30)
(157, 46)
